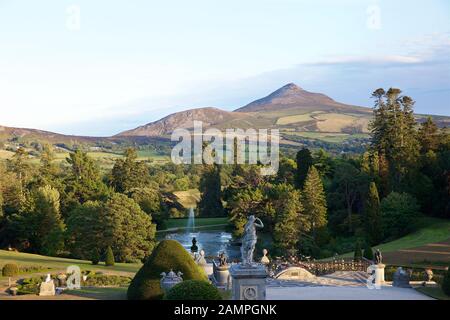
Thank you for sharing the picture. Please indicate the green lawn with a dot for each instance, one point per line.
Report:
(118, 293)
(434, 292)
(432, 230)
(199, 222)
(26, 259)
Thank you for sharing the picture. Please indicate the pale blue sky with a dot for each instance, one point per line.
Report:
(131, 62)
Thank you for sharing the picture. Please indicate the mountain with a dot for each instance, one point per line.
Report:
(297, 113)
(292, 96)
(291, 109)
(25, 133)
(185, 120)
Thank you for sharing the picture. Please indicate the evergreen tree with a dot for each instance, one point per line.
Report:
(109, 257)
(368, 252)
(210, 204)
(393, 133)
(428, 136)
(127, 229)
(128, 173)
(304, 162)
(358, 252)
(314, 202)
(372, 216)
(85, 230)
(289, 219)
(83, 182)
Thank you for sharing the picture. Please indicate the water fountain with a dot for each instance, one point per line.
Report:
(190, 227)
(212, 240)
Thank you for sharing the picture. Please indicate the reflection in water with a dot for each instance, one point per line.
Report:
(211, 241)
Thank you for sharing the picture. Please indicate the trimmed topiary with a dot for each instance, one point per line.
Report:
(368, 252)
(446, 282)
(358, 252)
(168, 255)
(109, 259)
(193, 290)
(10, 270)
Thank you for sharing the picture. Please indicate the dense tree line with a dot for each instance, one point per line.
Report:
(316, 205)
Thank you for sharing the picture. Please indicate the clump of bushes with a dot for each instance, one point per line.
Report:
(193, 290)
(30, 285)
(368, 252)
(358, 252)
(109, 258)
(103, 280)
(446, 282)
(168, 255)
(416, 274)
(10, 270)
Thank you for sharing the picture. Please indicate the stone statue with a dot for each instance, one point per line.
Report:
(401, 278)
(222, 259)
(194, 247)
(249, 239)
(378, 257)
(200, 259)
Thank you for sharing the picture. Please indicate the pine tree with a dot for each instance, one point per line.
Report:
(50, 225)
(393, 133)
(210, 204)
(428, 136)
(314, 202)
(289, 218)
(372, 216)
(304, 162)
(128, 173)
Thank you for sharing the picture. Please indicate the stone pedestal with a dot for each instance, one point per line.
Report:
(221, 275)
(47, 288)
(379, 273)
(248, 282)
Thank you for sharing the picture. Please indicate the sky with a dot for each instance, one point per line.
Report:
(100, 67)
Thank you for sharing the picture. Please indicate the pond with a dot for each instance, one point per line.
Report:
(212, 242)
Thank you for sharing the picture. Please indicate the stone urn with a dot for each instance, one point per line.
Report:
(265, 260)
(428, 275)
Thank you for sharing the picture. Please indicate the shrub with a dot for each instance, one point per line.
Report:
(109, 259)
(399, 213)
(103, 280)
(368, 253)
(193, 290)
(95, 259)
(358, 252)
(10, 270)
(446, 283)
(168, 255)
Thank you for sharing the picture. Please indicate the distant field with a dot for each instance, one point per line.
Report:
(188, 198)
(328, 137)
(336, 122)
(4, 154)
(106, 159)
(295, 119)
